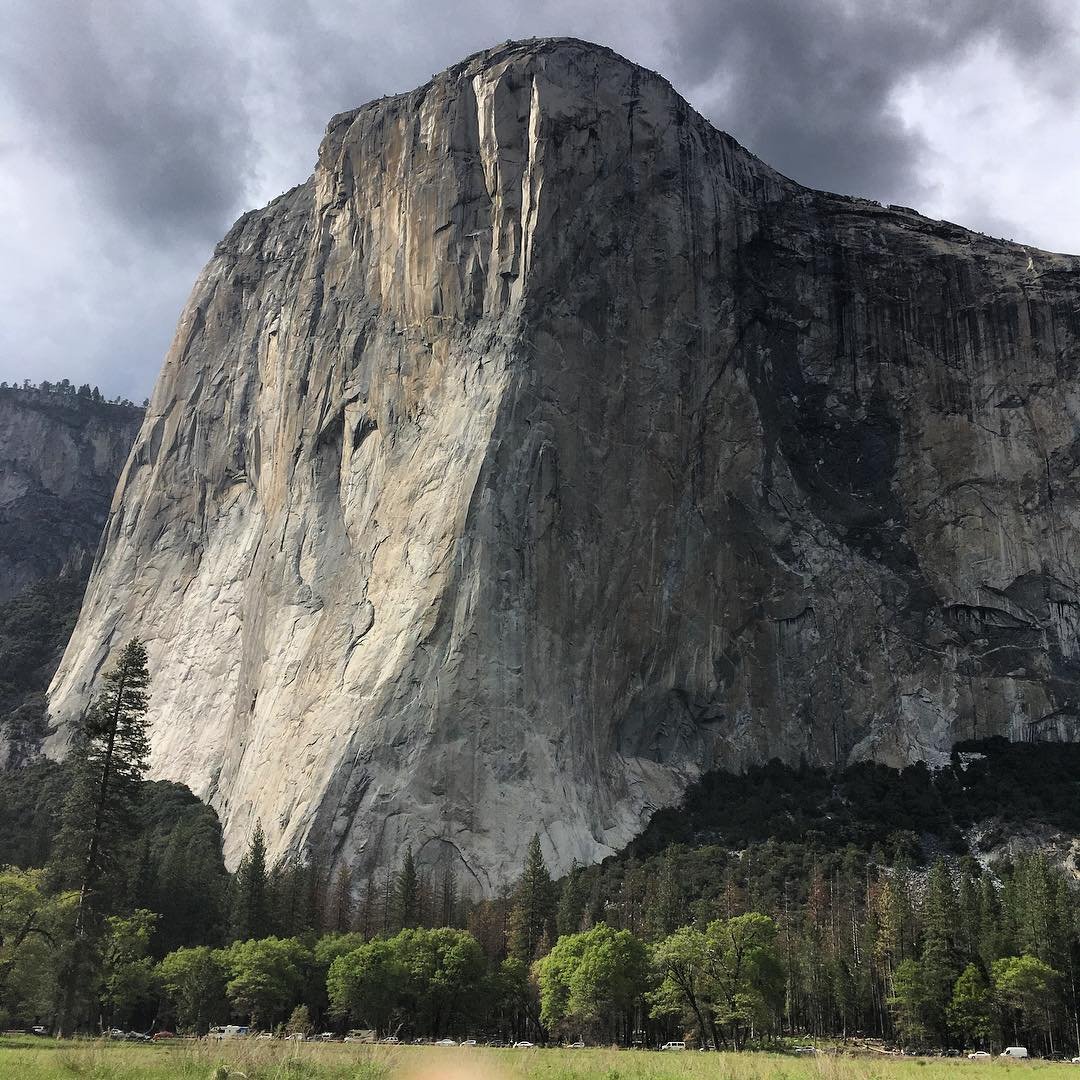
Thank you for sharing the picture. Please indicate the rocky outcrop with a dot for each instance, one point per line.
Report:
(546, 448)
(60, 457)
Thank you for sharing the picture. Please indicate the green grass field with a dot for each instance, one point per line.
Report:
(46, 1059)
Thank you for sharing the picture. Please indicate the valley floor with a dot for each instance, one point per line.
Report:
(46, 1059)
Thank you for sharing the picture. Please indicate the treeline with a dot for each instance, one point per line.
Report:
(835, 947)
(66, 388)
(121, 913)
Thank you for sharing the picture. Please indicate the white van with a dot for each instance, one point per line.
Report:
(673, 1046)
(1014, 1052)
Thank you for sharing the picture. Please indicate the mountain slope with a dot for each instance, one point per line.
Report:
(60, 457)
(546, 449)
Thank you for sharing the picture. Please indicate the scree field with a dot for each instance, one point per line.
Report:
(45, 1059)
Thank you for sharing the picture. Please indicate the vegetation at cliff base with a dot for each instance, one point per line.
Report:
(723, 927)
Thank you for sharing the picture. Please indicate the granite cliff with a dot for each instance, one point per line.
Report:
(60, 457)
(546, 448)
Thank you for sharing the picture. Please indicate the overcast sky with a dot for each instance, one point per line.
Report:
(133, 133)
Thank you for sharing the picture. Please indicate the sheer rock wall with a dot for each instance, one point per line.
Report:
(546, 448)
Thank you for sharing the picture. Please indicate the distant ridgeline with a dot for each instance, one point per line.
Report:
(62, 448)
(66, 388)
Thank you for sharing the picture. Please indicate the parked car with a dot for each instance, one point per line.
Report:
(160, 1036)
(579, 1045)
(805, 1050)
(523, 1045)
(678, 1044)
(978, 1055)
(39, 1029)
(1018, 1052)
(446, 1042)
(468, 1042)
(390, 1040)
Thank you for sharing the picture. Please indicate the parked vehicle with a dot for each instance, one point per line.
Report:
(979, 1055)
(160, 1036)
(468, 1042)
(390, 1040)
(1018, 1052)
(579, 1045)
(446, 1042)
(523, 1045)
(676, 1045)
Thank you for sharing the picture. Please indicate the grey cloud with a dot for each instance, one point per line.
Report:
(139, 102)
(808, 87)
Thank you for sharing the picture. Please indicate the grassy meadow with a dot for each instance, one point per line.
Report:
(47, 1059)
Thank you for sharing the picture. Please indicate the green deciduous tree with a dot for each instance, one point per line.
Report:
(908, 1002)
(1026, 990)
(746, 973)
(194, 980)
(594, 977)
(131, 982)
(971, 1010)
(681, 963)
(266, 977)
(365, 985)
(34, 924)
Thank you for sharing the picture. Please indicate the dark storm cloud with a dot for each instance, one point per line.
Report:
(132, 133)
(138, 101)
(809, 86)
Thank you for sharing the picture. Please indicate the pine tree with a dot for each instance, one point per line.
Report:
(939, 967)
(448, 897)
(110, 752)
(407, 893)
(532, 914)
(573, 900)
(251, 892)
(340, 916)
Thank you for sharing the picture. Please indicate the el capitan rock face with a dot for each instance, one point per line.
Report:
(546, 448)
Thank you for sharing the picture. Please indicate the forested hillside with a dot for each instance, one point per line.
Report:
(857, 903)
